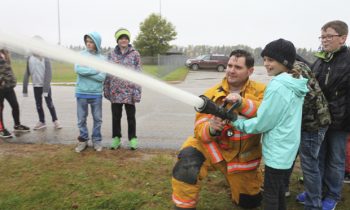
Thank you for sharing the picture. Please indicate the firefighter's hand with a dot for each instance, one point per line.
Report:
(233, 98)
(216, 124)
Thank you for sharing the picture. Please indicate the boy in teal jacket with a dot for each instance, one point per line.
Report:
(278, 118)
(89, 91)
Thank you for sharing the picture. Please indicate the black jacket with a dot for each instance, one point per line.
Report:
(334, 79)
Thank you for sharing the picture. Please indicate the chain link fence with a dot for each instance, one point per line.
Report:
(165, 63)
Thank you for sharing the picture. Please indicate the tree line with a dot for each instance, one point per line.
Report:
(193, 51)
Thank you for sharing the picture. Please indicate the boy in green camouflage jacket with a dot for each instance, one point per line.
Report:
(315, 121)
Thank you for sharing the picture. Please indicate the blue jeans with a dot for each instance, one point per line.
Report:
(96, 110)
(332, 163)
(309, 152)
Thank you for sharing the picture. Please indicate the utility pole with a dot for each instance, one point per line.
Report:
(59, 22)
(160, 8)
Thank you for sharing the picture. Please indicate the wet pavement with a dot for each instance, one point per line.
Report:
(162, 122)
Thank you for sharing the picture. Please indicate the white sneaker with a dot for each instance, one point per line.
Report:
(81, 146)
(39, 126)
(57, 124)
(98, 147)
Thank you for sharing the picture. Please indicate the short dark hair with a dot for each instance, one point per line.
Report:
(339, 26)
(249, 59)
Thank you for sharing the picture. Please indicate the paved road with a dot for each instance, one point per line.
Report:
(161, 121)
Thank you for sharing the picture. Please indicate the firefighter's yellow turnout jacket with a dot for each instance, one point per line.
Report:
(237, 155)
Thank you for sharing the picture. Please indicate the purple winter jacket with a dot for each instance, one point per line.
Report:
(117, 90)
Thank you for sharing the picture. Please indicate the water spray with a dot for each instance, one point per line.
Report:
(23, 45)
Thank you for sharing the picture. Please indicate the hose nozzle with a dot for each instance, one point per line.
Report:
(209, 107)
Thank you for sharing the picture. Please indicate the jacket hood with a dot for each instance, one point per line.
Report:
(298, 86)
(96, 38)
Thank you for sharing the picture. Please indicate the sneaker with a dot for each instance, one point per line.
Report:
(301, 198)
(21, 128)
(57, 124)
(5, 134)
(347, 178)
(98, 147)
(133, 143)
(81, 146)
(115, 143)
(39, 125)
(328, 204)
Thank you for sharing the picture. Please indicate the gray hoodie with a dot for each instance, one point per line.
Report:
(47, 77)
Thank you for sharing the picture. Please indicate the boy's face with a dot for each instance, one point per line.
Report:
(273, 67)
(331, 40)
(123, 42)
(90, 45)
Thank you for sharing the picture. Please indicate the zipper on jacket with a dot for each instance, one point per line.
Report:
(327, 75)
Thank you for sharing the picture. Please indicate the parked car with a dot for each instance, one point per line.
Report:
(211, 61)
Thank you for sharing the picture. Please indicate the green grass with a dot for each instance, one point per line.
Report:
(55, 177)
(177, 75)
(64, 72)
(151, 70)
(61, 72)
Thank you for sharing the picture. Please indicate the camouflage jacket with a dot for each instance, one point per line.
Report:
(315, 109)
(7, 78)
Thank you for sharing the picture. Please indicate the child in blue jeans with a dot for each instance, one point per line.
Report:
(278, 118)
(89, 92)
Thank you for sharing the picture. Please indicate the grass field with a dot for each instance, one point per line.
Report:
(178, 75)
(55, 177)
(64, 72)
(61, 72)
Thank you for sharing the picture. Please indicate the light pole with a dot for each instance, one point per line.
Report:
(160, 8)
(59, 23)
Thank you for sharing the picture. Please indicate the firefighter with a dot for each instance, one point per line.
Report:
(216, 144)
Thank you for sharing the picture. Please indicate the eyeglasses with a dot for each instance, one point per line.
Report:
(328, 37)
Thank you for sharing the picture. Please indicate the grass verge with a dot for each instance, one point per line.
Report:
(63, 72)
(177, 75)
(55, 177)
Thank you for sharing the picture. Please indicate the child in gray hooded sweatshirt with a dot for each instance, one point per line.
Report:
(39, 68)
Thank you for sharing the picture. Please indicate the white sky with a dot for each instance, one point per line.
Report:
(211, 22)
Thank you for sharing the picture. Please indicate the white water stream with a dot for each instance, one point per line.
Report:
(24, 45)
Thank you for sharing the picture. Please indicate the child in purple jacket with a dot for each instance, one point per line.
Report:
(121, 92)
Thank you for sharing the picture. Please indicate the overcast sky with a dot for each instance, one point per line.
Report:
(210, 22)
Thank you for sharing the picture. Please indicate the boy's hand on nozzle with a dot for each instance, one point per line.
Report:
(233, 98)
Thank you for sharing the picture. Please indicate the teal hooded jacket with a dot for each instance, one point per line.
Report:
(279, 120)
(89, 80)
